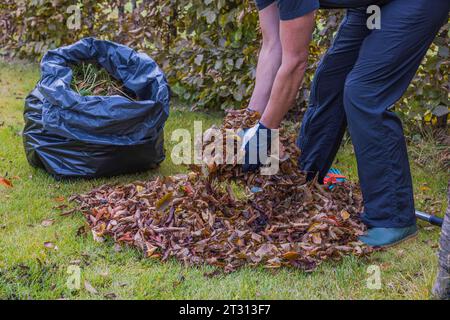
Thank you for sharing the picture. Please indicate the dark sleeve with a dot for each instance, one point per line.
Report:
(347, 4)
(262, 4)
(292, 9)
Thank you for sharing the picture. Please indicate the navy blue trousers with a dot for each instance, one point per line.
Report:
(358, 81)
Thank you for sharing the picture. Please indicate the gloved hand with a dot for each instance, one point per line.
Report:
(256, 140)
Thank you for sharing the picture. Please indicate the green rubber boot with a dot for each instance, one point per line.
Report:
(388, 237)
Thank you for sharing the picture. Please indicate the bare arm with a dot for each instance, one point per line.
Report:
(269, 58)
(295, 36)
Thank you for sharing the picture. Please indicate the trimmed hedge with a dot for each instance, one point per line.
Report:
(208, 48)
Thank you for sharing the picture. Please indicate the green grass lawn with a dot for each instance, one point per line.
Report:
(30, 270)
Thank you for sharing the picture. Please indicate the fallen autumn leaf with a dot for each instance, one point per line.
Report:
(6, 183)
(89, 288)
(47, 222)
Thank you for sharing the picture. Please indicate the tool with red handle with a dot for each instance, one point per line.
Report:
(335, 177)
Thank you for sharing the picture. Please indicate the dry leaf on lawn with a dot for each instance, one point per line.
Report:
(50, 245)
(89, 288)
(47, 222)
(6, 183)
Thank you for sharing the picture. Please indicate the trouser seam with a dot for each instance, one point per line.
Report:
(390, 175)
(315, 93)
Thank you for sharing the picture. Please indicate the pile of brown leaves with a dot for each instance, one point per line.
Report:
(198, 218)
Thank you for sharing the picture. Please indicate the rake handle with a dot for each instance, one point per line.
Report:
(429, 218)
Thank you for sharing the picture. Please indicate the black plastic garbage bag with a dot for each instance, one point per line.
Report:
(74, 136)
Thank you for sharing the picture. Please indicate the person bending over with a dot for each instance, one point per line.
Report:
(360, 78)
